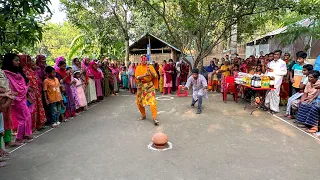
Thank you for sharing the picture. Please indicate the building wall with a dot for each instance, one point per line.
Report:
(298, 45)
(274, 43)
(154, 57)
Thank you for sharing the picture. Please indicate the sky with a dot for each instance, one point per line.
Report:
(57, 15)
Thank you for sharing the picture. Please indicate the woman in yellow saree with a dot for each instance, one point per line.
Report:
(161, 78)
(147, 81)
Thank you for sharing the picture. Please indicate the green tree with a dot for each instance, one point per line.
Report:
(21, 23)
(57, 39)
(104, 23)
(203, 24)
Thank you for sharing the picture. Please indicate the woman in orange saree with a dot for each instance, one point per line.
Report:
(147, 81)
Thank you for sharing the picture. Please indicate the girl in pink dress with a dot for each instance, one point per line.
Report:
(82, 101)
(18, 84)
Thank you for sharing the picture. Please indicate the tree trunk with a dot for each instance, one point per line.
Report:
(198, 62)
(233, 40)
(127, 51)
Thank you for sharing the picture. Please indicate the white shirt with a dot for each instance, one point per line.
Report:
(279, 68)
(197, 86)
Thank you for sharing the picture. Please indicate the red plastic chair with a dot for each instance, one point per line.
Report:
(182, 92)
(229, 86)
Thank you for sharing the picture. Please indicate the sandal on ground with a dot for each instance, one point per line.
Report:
(28, 137)
(142, 118)
(156, 122)
(312, 130)
(285, 115)
(13, 144)
(290, 117)
(301, 125)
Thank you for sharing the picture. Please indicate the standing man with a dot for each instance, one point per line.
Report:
(147, 81)
(276, 68)
(199, 86)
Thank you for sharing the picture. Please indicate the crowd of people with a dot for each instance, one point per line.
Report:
(34, 96)
(296, 83)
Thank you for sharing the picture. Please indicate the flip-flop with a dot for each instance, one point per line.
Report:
(14, 144)
(312, 130)
(290, 117)
(301, 125)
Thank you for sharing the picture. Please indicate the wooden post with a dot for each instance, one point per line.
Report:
(149, 47)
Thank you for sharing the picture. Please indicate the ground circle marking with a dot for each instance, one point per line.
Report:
(150, 146)
(165, 98)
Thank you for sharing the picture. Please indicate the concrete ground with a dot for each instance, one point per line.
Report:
(225, 142)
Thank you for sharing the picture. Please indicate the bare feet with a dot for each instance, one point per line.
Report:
(142, 118)
(3, 153)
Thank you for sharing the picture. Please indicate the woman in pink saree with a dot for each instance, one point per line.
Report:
(37, 115)
(90, 88)
(115, 76)
(96, 74)
(18, 84)
(132, 79)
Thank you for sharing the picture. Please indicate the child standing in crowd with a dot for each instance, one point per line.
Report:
(53, 97)
(306, 70)
(296, 71)
(82, 101)
(125, 80)
(65, 103)
(65, 78)
(215, 80)
(235, 71)
(132, 80)
(258, 69)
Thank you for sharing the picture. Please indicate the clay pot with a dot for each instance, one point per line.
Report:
(160, 140)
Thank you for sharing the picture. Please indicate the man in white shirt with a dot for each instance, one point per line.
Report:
(199, 86)
(276, 68)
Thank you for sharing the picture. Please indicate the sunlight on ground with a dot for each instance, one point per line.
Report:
(214, 127)
(284, 130)
(246, 128)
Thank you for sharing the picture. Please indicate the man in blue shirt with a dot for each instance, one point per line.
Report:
(211, 70)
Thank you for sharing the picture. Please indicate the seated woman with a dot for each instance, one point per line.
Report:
(308, 113)
(258, 69)
(292, 100)
(235, 71)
